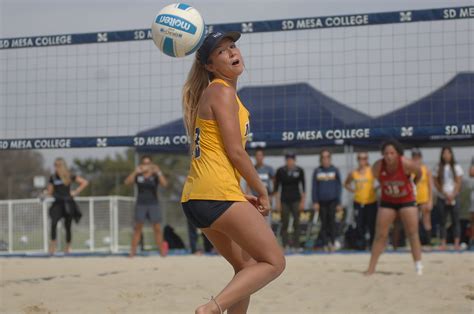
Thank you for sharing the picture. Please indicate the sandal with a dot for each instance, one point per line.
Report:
(218, 306)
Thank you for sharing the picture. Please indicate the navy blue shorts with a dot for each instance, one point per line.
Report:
(396, 206)
(202, 213)
(150, 211)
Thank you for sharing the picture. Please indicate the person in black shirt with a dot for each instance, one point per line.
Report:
(290, 178)
(63, 206)
(147, 176)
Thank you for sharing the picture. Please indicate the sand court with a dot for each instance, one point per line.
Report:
(316, 283)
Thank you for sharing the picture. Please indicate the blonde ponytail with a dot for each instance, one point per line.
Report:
(196, 83)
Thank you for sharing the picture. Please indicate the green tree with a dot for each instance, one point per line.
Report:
(17, 170)
(106, 176)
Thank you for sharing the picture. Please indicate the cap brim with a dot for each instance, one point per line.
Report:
(232, 35)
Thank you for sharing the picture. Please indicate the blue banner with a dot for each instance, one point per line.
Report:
(290, 138)
(334, 21)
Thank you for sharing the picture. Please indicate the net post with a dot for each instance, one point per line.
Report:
(10, 226)
(45, 226)
(91, 225)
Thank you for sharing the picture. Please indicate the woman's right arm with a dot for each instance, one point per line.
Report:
(226, 113)
(376, 169)
(348, 183)
(131, 177)
(436, 182)
(50, 189)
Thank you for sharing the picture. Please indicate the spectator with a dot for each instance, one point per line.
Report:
(193, 238)
(147, 176)
(63, 206)
(292, 197)
(365, 199)
(424, 192)
(327, 197)
(471, 209)
(448, 183)
(266, 174)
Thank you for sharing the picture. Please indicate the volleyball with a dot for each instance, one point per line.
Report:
(178, 30)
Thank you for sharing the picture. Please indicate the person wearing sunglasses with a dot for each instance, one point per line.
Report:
(361, 182)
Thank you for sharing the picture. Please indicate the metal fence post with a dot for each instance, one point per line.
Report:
(116, 235)
(45, 226)
(91, 225)
(111, 223)
(10, 226)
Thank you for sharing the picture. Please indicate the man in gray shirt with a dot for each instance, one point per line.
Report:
(265, 172)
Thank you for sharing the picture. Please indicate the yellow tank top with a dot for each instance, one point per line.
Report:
(364, 187)
(212, 175)
(422, 187)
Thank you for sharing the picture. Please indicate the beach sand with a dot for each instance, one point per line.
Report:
(317, 283)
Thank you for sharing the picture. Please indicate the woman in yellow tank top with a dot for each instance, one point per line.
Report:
(365, 199)
(212, 200)
(424, 196)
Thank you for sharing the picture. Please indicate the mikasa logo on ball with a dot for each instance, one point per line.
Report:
(176, 22)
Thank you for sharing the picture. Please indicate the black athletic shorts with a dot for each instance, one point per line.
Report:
(202, 213)
(397, 206)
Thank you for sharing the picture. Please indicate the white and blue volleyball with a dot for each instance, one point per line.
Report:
(178, 30)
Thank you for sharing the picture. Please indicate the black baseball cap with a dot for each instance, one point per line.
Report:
(290, 155)
(210, 43)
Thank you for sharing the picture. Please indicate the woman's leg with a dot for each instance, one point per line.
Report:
(444, 212)
(54, 226)
(332, 224)
(385, 217)
(409, 218)
(238, 258)
(137, 231)
(159, 239)
(360, 222)
(192, 233)
(472, 229)
(426, 216)
(295, 212)
(371, 210)
(285, 221)
(67, 226)
(455, 221)
(323, 215)
(243, 225)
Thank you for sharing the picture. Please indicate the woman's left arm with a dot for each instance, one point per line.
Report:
(83, 183)
(410, 167)
(430, 188)
(161, 177)
(458, 184)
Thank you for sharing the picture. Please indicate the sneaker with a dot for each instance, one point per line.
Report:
(164, 249)
(419, 268)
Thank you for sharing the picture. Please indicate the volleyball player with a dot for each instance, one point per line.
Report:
(393, 172)
(212, 199)
(63, 206)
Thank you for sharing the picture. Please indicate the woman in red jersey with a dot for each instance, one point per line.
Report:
(398, 197)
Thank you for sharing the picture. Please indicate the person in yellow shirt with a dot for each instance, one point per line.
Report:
(361, 183)
(212, 200)
(424, 192)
